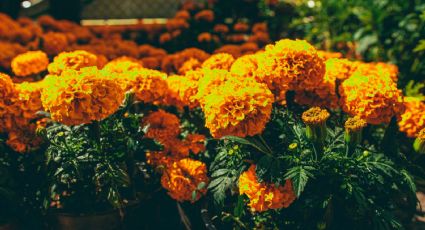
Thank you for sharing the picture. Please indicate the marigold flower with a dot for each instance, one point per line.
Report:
(29, 63)
(191, 64)
(259, 27)
(54, 43)
(205, 15)
(8, 52)
(239, 107)
(373, 98)
(353, 129)
(412, 120)
(27, 103)
(340, 69)
(326, 55)
(176, 24)
(379, 69)
(123, 65)
(263, 196)
(72, 60)
(174, 62)
(221, 28)
(234, 50)
(183, 14)
(196, 143)
(182, 91)
(209, 79)
(315, 116)
(150, 86)
(7, 94)
(163, 126)
(245, 66)
(23, 141)
(157, 158)
(151, 62)
(219, 61)
(181, 178)
(261, 38)
(80, 97)
(164, 38)
(290, 65)
(241, 27)
(249, 48)
(204, 37)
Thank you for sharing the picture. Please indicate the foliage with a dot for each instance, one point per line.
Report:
(335, 187)
(91, 167)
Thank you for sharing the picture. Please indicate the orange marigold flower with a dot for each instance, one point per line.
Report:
(163, 126)
(27, 103)
(23, 141)
(7, 94)
(182, 91)
(80, 97)
(249, 47)
(183, 14)
(181, 178)
(29, 63)
(123, 64)
(263, 196)
(209, 79)
(234, 50)
(378, 69)
(173, 63)
(326, 55)
(8, 52)
(340, 69)
(205, 15)
(412, 120)
(245, 66)
(150, 86)
(157, 158)
(54, 43)
(164, 38)
(241, 27)
(354, 124)
(221, 28)
(176, 24)
(373, 98)
(315, 116)
(219, 61)
(72, 60)
(151, 62)
(290, 65)
(191, 64)
(204, 37)
(196, 143)
(239, 107)
(259, 27)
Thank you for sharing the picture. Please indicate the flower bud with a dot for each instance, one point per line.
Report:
(419, 144)
(353, 130)
(315, 118)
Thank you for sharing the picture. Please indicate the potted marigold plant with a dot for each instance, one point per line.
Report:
(92, 145)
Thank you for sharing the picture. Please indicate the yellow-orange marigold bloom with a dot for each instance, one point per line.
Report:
(315, 116)
(210, 79)
(191, 64)
(379, 69)
(7, 95)
(182, 177)
(219, 61)
(263, 196)
(123, 65)
(80, 97)
(239, 107)
(149, 86)
(29, 63)
(72, 60)
(354, 124)
(182, 91)
(234, 50)
(290, 65)
(373, 98)
(245, 66)
(412, 120)
(340, 69)
(328, 55)
(163, 126)
(27, 103)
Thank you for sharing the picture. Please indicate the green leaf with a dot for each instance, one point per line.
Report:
(299, 176)
(201, 186)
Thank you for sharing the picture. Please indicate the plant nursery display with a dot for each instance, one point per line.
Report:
(201, 123)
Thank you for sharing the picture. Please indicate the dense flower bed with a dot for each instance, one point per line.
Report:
(271, 133)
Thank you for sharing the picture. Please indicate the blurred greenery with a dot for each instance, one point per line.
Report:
(371, 30)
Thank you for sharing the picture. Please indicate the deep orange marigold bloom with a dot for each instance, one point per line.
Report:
(412, 120)
(164, 38)
(163, 126)
(196, 143)
(263, 196)
(80, 97)
(183, 14)
(221, 28)
(27, 103)
(241, 27)
(123, 64)
(7, 95)
(290, 65)
(23, 141)
(219, 61)
(182, 177)
(29, 63)
(234, 50)
(157, 158)
(54, 43)
(259, 27)
(239, 107)
(373, 98)
(72, 60)
(150, 86)
(204, 37)
(205, 15)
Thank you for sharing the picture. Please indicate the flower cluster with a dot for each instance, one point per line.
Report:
(263, 196)
(81, 96)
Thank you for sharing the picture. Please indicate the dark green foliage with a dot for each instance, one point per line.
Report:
(336, 188)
